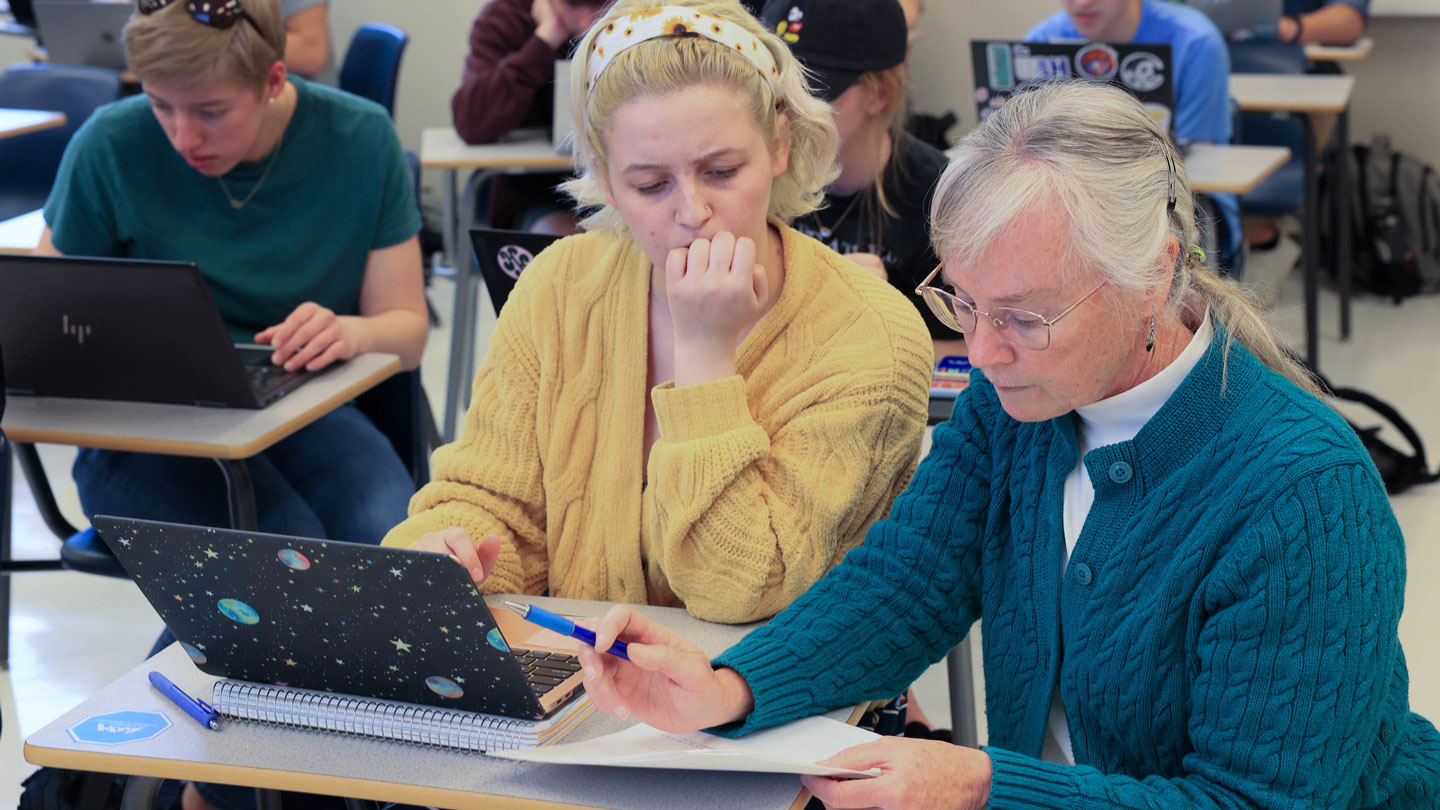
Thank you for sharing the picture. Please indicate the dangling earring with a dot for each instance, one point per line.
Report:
(1150, 338)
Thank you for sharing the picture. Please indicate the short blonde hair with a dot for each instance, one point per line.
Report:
(669, 64)
(170, 45)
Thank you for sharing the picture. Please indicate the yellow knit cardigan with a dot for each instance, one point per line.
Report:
(758, 484)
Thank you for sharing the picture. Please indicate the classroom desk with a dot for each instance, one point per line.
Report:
(22, 234)
(442, 148)
(336, 764)
(1225, 169)
(40, 54)
(1340, 53)
(1323, 103)
(23, 122)
(228, 435)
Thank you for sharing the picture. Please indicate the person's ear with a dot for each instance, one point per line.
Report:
(780, 149)
(877, 97)
(275, 80)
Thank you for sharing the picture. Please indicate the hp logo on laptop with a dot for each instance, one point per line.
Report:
(74, 330)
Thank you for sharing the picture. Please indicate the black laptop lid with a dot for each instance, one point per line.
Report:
(116, 329)
(360, 620)
(1146, 70)
(502, 255)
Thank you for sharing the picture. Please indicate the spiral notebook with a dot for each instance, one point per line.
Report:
(371, 640)
(405, 722)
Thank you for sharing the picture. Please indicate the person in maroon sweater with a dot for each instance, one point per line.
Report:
(508, 84)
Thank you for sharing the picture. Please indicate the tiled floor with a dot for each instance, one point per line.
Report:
(72, 633)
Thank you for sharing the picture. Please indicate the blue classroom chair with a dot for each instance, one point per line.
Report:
(372, 63)
(28, 163)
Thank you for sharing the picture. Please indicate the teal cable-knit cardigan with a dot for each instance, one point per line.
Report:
(1224, 635)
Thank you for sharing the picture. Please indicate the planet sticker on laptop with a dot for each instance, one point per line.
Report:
(237, 611)
(444, 687)
(496, 640)
(195, 655)
(293, 559)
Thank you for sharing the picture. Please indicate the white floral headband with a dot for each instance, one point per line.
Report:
(677, 21)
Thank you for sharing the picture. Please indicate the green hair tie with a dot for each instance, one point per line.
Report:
(1198, 252)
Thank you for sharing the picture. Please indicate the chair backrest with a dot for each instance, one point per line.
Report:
(29, 162)
(372, 63)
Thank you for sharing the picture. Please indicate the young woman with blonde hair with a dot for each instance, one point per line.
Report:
(692, 404)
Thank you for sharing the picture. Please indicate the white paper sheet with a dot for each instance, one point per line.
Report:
(792, 748)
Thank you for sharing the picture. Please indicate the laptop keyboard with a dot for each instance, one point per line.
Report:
(545, 670)
(266, 379)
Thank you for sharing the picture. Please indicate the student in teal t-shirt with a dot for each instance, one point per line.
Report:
(294, 201)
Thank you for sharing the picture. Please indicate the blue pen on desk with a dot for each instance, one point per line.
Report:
(198, 709)
(565, 627)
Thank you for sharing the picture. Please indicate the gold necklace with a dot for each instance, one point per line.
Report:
(826, 232)
(274, 156)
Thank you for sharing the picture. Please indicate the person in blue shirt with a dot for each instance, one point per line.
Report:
(1186, 565)
(1199, 59)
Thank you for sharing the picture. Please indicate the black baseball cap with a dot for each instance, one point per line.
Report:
(837, 40)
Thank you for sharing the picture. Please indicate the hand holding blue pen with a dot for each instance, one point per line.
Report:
(198, 709)
(565, 627)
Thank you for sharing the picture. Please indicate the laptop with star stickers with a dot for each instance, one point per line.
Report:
(329, 616)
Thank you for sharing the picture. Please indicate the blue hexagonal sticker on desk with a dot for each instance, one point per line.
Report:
(118, 728)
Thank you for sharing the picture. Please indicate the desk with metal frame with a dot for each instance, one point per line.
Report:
(1312, 97)
(442, 148)
(282, 758)
(228, 435)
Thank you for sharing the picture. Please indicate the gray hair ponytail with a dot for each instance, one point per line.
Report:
(1094, 152)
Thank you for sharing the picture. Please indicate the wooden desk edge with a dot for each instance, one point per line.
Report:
(1246, 188)
(106, 762)
(41, 126)
(359, 788)
(198, 450)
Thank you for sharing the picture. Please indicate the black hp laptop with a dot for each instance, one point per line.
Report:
(127, 329)
(502, 255)
(371, 621)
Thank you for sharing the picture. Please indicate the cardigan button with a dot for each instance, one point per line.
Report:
(1121, 472)
(1083, 574)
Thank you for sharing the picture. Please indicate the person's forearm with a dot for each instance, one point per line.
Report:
(739, 700)
(305, 55)
(398, 331)
(1337, 24)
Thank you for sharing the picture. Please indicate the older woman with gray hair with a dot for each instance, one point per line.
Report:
(1189, 574)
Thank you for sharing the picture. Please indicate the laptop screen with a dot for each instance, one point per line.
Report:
(1003, 68)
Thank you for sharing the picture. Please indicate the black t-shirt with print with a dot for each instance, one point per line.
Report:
(856, 224)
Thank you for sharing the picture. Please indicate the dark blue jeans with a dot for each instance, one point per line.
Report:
(338, 479)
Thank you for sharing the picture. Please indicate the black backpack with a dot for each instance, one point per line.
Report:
(1398, 469)
(1394, 213)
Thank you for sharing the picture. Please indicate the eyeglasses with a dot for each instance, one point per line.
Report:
(1026, 329)
(220, 14)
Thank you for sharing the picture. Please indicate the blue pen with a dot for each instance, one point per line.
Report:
(198, 709)
(565, 627)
